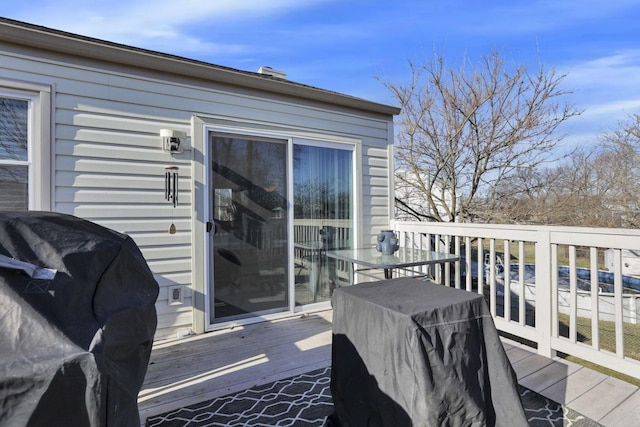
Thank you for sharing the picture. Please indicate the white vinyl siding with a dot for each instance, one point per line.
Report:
(108, 165)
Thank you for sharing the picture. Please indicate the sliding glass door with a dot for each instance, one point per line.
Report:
(271, 199)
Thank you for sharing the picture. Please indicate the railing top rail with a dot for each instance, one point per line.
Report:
(579, 236)
(510, 227)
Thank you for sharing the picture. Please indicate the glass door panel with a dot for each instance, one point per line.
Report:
(250, 266)
(323, 219)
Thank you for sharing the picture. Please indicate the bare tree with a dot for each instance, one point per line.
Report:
(581, 189)
(525, 197)
(622, 170)
(462, 132)
(596, 187)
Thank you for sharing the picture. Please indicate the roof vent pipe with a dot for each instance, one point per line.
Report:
(268, 71)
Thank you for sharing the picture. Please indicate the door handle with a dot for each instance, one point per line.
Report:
(211, 226)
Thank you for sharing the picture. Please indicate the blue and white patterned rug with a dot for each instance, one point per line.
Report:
(305, 400)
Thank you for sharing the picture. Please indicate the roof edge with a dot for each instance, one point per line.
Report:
(22, 33)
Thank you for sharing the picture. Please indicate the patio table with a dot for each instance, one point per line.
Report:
(407, 352)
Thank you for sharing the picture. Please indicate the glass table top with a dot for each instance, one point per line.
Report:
(403, 257)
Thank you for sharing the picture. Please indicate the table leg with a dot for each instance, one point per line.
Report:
(388, 273)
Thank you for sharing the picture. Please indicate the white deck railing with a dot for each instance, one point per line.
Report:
(534, 302)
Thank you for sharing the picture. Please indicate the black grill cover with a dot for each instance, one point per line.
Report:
(408, 353)
(74, 350)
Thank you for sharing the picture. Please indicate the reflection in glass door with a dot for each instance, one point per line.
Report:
(250, 246)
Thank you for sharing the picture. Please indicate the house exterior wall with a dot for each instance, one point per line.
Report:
(107, 164)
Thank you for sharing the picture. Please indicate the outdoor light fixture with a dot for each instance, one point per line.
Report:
(170, 141)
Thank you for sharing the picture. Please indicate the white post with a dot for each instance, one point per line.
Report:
(543, 293)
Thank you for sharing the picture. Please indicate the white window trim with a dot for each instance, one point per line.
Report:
(39, 144)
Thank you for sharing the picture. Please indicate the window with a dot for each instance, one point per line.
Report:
(24, 155)
(14, 156)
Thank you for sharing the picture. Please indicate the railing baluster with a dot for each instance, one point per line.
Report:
(438, 267)
(506, 280)
(447, 266)
(467, 264)
(421, 245)
(457, 264)
(555, 321)
(492, 277)
(480, 266)
(573, 296)
(619, 309)
(522, 306)
(595, 299)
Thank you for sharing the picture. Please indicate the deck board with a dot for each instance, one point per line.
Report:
(603, 398)
(549, 376)
(625, 414)
(196, 369)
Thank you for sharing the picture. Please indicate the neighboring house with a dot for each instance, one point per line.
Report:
(630, 261)
(226, 219)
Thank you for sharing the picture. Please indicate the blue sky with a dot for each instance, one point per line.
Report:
(347, 46)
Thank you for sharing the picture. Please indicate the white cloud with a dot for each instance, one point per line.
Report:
(616, 108)
(607, 88)
(620, 69)
(156, 24)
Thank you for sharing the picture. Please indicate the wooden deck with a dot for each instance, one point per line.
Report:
(199, 368)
